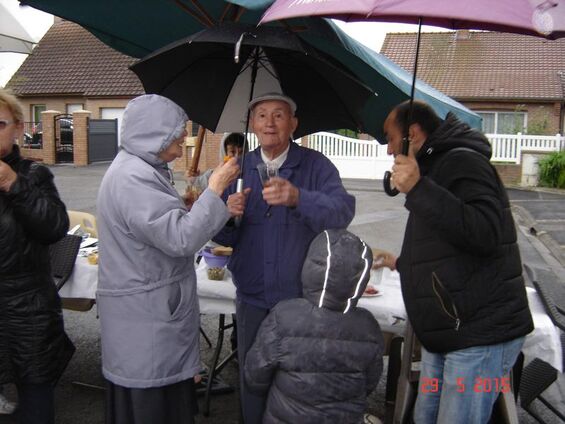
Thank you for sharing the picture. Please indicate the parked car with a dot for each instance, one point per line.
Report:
(66, 132)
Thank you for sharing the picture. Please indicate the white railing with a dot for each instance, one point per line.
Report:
(509, 147)
(353, 158)
(368, 159)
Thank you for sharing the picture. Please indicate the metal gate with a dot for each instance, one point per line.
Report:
(102, 139)
(63, 138)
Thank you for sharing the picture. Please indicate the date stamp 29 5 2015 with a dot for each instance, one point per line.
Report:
(479, 385)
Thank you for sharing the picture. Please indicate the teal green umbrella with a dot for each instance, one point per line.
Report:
(140, 27)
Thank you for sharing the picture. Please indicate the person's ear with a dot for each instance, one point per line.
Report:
(294, 124)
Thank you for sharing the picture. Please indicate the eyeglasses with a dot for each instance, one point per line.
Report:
(4, 124)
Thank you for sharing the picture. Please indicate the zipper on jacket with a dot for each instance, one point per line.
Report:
(436, 280)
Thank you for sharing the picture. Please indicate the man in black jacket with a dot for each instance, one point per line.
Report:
(460, 266)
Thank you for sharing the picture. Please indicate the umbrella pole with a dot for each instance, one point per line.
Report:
(405, 139)
(239, 186)
(405, 146)
(197, 150)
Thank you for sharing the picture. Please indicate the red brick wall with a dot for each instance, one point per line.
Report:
(510, 174)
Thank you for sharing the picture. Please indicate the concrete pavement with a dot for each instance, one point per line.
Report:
(379, 221)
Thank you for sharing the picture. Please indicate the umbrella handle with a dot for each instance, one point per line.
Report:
(389, 189)
(197, 150)
(239, 189)
(404, 147)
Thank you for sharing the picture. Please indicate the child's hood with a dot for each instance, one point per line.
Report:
(336, 270)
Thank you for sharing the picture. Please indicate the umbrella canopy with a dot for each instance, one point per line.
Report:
(13, 36)
(139, 27)
(532, 17)
(200, 74)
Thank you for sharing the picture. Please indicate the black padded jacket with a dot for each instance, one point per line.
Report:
(320, 356)
(33, 345)
(460, 266)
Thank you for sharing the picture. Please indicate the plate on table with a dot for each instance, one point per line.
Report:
(371, 291)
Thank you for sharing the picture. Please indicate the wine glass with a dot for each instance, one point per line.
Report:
(267, 171)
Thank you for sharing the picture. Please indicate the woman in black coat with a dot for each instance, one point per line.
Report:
(34, 349)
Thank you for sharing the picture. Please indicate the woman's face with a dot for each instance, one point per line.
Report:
(9, 131)
(174, 150)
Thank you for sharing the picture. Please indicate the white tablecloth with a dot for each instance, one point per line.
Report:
(218, 297)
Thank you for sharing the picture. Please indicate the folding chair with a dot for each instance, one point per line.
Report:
(538, 375)
(63, 257)
(86, 220)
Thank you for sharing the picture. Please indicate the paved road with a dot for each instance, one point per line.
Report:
(379, 220)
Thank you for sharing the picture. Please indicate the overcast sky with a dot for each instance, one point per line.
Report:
(37, 23)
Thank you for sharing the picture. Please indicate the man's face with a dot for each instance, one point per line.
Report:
(233, 151)
(273, 123)
(393, 135)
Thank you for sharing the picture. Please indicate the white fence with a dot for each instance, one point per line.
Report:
(509, 147)
(368, 159)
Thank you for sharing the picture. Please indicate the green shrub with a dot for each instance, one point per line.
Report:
(552, 170)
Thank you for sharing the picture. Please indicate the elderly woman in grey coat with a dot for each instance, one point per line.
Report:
(147, 299)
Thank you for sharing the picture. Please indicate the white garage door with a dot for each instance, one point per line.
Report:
(113, 113)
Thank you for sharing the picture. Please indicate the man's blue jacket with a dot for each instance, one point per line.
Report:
(270, 245)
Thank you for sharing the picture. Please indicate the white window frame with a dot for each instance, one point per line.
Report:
(497, 112)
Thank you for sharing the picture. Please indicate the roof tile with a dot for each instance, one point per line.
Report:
(70, 60)
(484, 65)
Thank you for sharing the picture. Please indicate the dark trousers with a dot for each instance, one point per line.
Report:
(249, 319)
(36, 404)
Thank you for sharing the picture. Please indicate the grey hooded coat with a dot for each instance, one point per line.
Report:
(319, 357)
(147, 299)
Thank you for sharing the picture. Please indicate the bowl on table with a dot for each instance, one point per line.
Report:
(216, 264)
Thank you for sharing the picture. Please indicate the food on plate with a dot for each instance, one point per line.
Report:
(370, 291)
(222, 251)
(93, 258)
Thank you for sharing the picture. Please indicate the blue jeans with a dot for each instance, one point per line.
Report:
(462, 386)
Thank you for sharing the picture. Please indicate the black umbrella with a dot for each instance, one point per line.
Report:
(214, 73)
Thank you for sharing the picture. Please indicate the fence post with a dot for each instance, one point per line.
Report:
(518, 148)
(48, 136)
(559, 141)
(80, 137)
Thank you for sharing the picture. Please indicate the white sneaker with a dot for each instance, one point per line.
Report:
(371, 419)
(6, 407)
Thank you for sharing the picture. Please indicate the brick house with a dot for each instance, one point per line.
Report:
(71, 70)
(515, 82)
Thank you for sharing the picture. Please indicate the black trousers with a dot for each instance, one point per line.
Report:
(36, 404)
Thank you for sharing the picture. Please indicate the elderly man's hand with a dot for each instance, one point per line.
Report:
(279, 191)
(223, 175)
(7, 176)
(236, 202)
(382, 258)
(405, 173)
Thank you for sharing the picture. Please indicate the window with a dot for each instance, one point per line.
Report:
(195, 128)
(36, 113)
(73, 107)
(503, 122)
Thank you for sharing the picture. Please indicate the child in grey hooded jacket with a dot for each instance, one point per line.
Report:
(318, 357)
